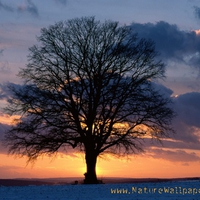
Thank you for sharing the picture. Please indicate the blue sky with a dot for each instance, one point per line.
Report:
(45, 12)
(22, 20)
(172, 24)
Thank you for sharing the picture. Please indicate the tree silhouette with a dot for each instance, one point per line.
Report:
(88, 85)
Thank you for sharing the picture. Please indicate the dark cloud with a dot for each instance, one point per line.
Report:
(186, 124)
(185, 134)
(197, 12)
(63, 2)
(188, 108)
(175, 156)
(1, 51)
(6, 7)
(175, 143)
(180, 140)
(167, 37)
(29, 7)
(6, 92)
(163, 90)
(171, 42)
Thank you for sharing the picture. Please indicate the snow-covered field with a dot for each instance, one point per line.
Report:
(187, 190)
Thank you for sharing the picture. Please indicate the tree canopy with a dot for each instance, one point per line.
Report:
(88, 85)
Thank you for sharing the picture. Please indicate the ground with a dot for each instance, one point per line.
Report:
(173, 190)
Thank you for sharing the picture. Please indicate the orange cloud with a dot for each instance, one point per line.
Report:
(140, 166)
(9, 120)
(197, 32)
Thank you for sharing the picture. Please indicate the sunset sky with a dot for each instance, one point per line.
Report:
(175, 28)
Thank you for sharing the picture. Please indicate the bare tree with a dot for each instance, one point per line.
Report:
(88, 85)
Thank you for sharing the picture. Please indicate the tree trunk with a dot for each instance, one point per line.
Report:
(90, 175)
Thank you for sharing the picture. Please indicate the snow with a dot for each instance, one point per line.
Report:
(175, 190)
